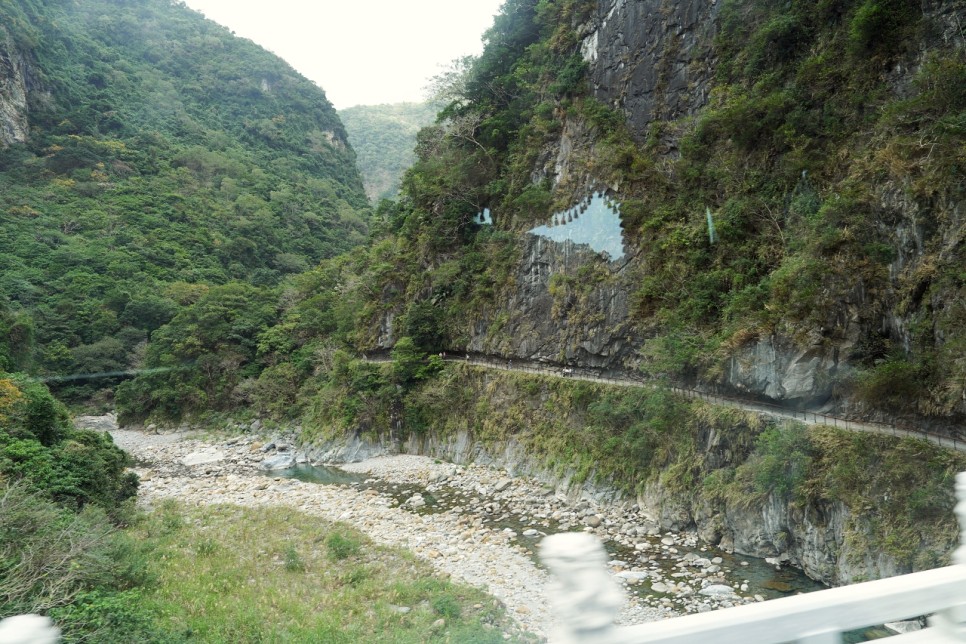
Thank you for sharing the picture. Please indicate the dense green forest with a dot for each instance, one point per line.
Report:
(165, 157)
(336, 306)
(187, 205)
(801, 139)
(384, 138)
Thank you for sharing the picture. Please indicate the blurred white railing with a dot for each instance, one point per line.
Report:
(28, 629)
(587, 599)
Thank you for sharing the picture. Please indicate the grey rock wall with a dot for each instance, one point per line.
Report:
(652, 58)
(779, 369)
(812, 538)
(14, 82)
(585, 323)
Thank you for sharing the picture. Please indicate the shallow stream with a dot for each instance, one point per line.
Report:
(761, 577)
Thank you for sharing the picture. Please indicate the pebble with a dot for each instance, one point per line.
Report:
(506, 574)
(457, 542)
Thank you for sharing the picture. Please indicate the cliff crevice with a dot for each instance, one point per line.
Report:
(16, 80)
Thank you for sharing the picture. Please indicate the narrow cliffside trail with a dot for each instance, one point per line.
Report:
(805, 417)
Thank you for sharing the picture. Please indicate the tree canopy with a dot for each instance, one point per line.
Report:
(165, 155)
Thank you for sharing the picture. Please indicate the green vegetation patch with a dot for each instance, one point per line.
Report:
(40, 449)
(76, 566)
(230, 574)
(900, 492)
(165, 155)
(384, 137)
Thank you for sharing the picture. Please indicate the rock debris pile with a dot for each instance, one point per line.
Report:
(665, 573)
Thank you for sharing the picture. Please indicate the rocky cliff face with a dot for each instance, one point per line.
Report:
(15, 82)
(777, 368)
(653, 59)
(814, 538)
(570, 306)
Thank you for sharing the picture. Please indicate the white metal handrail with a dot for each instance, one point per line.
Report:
(586, 609)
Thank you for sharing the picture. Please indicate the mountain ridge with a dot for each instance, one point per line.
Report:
(384, 138)
(150, 155)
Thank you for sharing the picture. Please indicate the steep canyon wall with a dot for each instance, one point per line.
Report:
(16, 80)
(656, 61)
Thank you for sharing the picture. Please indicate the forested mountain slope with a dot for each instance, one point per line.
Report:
(790, 181)
(148, 155)
(384, 138)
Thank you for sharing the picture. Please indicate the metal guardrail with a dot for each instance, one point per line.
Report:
(818, 418)
(808, 417)
(586, 601)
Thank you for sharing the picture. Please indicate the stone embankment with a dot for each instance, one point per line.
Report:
(666, 573)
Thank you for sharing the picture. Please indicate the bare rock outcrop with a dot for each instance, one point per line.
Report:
(652, 58)
(14, 86)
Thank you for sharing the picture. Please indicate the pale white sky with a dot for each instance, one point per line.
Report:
(361, 52)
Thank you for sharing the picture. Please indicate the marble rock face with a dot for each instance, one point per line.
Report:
(777, 369)
(14, 82)
(653, 59)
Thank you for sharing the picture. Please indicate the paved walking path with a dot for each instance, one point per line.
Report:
(806, 417)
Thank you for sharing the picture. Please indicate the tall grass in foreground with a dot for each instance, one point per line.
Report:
(230, 574)
(77, 567)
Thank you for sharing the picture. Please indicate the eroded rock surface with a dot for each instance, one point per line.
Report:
(586, 324)
(652, 58)
(14, 81)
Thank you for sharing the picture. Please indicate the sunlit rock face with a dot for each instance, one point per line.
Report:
(13, 92)
(595, 222)
(775, 368)
(653, 59)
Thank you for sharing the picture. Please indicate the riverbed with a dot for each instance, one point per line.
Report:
(473, 523)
